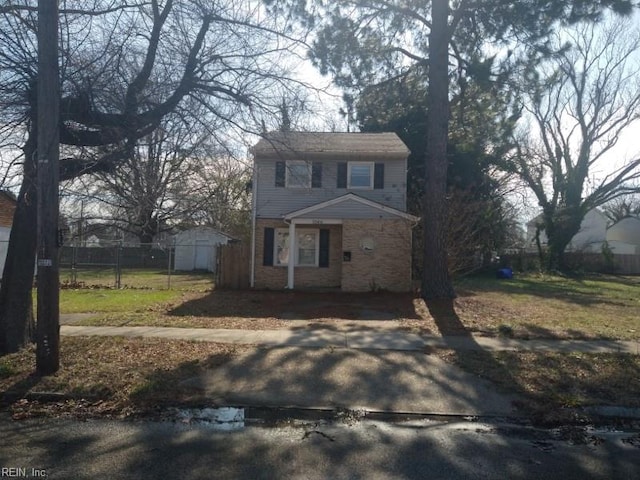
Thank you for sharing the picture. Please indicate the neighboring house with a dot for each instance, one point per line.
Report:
(329, 211)
(7, 208)
(590, 237)
(195, 249)
(623, 237)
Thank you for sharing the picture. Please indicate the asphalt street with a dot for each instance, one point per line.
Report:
(350, 449)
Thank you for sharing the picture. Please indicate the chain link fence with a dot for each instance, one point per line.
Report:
(145, 266)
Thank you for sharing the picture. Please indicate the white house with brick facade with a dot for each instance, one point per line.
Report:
(329, 211)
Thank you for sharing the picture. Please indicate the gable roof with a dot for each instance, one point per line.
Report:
(203, 228)
(349, 197)
(296, 144)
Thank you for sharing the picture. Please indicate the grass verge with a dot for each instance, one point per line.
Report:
(551, 383)
(110, 376)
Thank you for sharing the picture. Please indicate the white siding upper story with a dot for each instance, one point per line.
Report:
(297, 170)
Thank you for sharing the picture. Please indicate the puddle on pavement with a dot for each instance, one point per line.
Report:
(224, 419)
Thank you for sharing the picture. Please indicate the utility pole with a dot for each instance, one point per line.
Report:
(48, 324)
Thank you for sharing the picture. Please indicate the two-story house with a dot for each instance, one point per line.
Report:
(329, 211)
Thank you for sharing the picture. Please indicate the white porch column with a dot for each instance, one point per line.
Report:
(292, 254)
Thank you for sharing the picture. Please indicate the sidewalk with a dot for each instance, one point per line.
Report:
(357, 339)
(371, 370)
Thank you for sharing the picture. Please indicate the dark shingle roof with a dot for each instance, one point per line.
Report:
(328, 143)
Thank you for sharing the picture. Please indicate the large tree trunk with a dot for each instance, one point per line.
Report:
(16, 304)
(560, 228)
(436, 280)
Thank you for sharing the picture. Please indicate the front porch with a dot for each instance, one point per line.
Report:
(353, 255)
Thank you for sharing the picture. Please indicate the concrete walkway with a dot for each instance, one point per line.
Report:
(357, 340)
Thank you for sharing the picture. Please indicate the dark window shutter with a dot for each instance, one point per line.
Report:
(342, 175)
(316, 175)
(323, 258)
(280, 173)
(267, 254)
(378, 175)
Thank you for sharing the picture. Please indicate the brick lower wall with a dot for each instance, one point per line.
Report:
(387, 266)
(304, 277)
(7, 208)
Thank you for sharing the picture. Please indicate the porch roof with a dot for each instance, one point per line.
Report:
(349, 206)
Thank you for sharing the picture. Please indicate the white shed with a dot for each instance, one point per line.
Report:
(195, 249)
(624, 236)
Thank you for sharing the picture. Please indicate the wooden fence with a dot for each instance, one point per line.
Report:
(627, 264)
(233, 267)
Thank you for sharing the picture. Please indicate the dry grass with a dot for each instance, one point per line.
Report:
(551, 382)
(110, 376)
(547, 306)
(122, 376)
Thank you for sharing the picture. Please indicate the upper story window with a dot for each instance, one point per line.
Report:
(298, 174)
(360, 175)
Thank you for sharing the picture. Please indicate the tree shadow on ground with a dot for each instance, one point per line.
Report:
(303, 305)
(167, 450)
(572, 289)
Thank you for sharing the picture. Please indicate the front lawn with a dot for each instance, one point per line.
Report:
(551, 306)
(529, 306)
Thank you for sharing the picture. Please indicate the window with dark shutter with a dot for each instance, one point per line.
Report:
(323, 256)
(316, 175)
(342, 175)
(267, 251)
(281, 171)
(378, 175)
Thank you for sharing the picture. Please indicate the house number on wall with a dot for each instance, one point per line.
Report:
(317, 222)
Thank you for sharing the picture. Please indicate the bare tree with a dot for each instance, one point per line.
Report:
(145, 195)
(122, 72)
(622, 207)
(221, 195)
(578, 104)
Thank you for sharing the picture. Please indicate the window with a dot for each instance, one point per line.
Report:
(360, 174)
(298, 174)
(307, 248)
